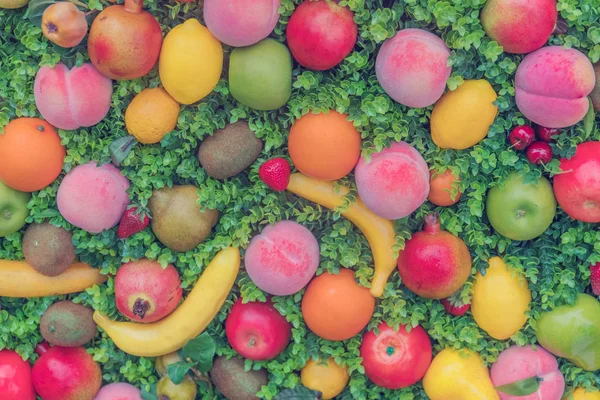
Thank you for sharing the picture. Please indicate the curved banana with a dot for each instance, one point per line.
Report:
(19, 279)
(187, 321)
(378, 231)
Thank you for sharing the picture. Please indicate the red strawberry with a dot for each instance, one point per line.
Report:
(131, 223)
(455, 306)
(595, 278)
(275, 173)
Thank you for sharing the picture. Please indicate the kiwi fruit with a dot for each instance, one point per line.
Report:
(234, 382)
(67, 324)
(48, 248)
(229, 151)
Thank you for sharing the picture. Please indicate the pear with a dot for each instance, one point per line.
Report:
(177, 219)
(167, 390)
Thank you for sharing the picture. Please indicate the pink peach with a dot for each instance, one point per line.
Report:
(283, 258)
(552, 85)
(395, 182)
(71, 99)
(93, 197)
(241, 22)
(119, 391)
(412, 67)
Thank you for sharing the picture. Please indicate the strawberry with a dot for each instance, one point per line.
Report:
(132, 222)
(595, 278)
(275, 173)
(455, 306)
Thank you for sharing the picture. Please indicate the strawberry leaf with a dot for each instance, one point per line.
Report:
(524, 387)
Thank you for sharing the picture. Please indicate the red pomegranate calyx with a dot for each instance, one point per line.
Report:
(432, 223)
(134, 6)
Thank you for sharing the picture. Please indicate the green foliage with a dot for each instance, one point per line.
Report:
(555, 264)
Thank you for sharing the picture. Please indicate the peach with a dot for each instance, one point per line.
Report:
(395, 182)
(283, 258)
(552, 85)
(412, 67)
(241, 23)
(71, 99)
(517, 363)
(119, 391)
(93, 197)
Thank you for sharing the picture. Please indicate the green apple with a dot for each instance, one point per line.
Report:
(260, 76)
(519, 210)
(13, 209)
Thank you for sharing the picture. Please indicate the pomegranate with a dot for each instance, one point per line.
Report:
(64, 24)
(434, 264)
(125, 41)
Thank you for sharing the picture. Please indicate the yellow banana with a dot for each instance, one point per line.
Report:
(187, 321)
(378, 231)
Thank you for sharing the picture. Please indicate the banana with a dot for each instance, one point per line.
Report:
(187, 321)
(378, 231)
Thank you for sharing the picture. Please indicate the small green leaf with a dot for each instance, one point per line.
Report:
(299, 393)
(524, 387)
(120, 149)
(178, 371)
(201, 351)
(36, 9)
(588, 120)
(151, 395)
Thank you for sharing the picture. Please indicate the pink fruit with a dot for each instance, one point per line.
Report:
(552, 85)
(412, 67)
(517, 363)
(321, 34)
(395, 182)
(71, 99)
(283, 258)
(519, 26)
(577, 190)
(146, 292)
(241, 23)
(119, 391)
(93, 198)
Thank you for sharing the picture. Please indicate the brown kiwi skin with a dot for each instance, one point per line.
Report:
(48, 248)
(234, 382)
(67, 324)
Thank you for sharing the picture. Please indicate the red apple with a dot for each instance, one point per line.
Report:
(577, 190)
(146, 292)
(66, 373)
(257, 331)
(321, 34)
(15, 377)
(395, 360)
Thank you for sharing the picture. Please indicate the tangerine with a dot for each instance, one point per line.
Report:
(31, 156)
(324, 146)
(441, 186)
(326, 377)
(335, 307)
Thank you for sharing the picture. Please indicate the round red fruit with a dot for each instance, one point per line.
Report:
(521, 136)
(257, 331)
(396, 360)
(321, 34)
(15, 377)
(546, 134)
(539, 153)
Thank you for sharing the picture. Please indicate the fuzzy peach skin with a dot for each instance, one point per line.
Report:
(241, 23)
(283, 258)
(93, 198)
(552, 85)
(119, 391)
(412, 67)
(395, 182)
(71, 99)
(516, 363)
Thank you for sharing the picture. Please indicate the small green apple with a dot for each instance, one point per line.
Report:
(13, 209)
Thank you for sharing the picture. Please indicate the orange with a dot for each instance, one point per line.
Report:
(151, 115)
(328, 377)
(441, 187)
(324, 146)
(31, 156)
(335, 307)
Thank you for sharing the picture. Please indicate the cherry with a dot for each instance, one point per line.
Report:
(521, 136)
(539, 153)
(546, 134)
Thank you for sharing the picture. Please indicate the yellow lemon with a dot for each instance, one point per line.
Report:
(151, 114)
(12, 4)
(462, 118)
(500, 300)
(191, 62)
(326, 377)
(581, 394)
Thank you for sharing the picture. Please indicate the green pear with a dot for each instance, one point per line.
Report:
(13, 210)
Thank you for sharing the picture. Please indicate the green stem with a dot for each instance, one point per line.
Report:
(80, 4)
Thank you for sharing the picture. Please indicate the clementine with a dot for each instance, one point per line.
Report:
(441, 187)
(324, 146)
(31, 156)
(335, 307)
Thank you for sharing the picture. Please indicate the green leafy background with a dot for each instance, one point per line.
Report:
(556, 264)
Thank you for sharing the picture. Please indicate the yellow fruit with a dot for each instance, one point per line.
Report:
(12, 4)
(328, 378)
(462, 118)
(191, 62)
(581, 394)
(151, 115)
(458, 375)
(500, 300)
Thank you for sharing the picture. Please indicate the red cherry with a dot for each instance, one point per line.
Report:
(546, 134)
(521, 136)
(539, 153)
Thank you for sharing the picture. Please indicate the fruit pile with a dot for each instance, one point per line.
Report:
(299, 199)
